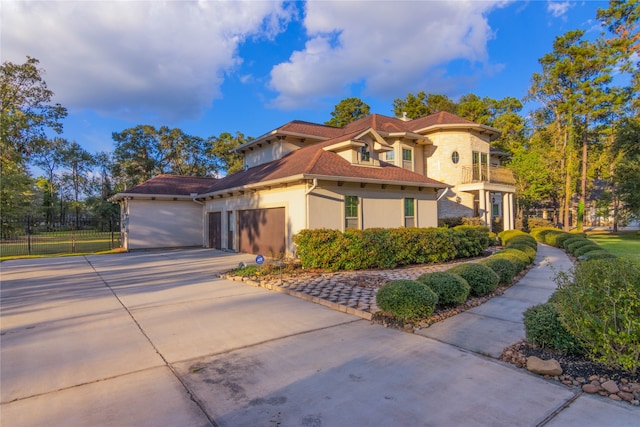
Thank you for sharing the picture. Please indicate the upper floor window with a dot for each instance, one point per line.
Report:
(480, 166)
(390, 156)
(409, 212)
(350, 211)
(365, 153)
(407, 158)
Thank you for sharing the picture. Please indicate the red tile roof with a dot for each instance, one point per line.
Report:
(311, 161)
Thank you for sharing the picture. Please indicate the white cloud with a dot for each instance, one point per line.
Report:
(386, 46)
(558, 9)
(127, 58)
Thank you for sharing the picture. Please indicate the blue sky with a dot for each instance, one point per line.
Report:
(212, 67)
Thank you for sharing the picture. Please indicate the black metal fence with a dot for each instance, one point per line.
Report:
(35, 236)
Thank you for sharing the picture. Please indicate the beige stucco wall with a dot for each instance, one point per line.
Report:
(378, 207)
(162, 224)
(438, 157)
(268, 152)
(291, 198)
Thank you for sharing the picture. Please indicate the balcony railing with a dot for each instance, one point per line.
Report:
(493, 174)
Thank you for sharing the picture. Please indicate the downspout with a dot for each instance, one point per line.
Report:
(306, 194)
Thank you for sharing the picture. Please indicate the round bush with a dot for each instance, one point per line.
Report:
(524, 240)
(558, 239)
(526, 249)
(599, 254)
(450, 288)
(481, 279)
(504, 268)
(543, 328)
(575, 245)
(520, 259)
(506, 235)
(572, 240)
(540, 233)
(585, 249)
(407, 300)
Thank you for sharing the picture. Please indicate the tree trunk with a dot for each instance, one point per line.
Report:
(583, 179)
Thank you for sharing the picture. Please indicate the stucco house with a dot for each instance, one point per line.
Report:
(378, 171)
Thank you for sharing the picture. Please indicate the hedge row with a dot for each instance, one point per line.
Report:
(388, 248)
(576, 244)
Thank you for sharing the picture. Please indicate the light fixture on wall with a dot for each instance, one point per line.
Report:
(458, 199)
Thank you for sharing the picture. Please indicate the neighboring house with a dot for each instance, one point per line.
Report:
(376, 172)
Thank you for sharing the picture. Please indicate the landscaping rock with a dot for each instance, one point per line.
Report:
(615, 397)
(590, 388)
(610, 386)
(543, 367)
(626, 396)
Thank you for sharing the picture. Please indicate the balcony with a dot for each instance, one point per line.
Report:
(493, 174)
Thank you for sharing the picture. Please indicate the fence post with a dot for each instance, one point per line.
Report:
(28, 235)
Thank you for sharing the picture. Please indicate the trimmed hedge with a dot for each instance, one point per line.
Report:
(407, 300)
(585, 249)
(481, 279)
(526, 249)
(578, 244)
(518, 258)
(507, 235)
(387, 248)
(505, 269)
(450, 288)
(572, 240)
(524, 240)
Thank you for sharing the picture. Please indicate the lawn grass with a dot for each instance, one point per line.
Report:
(624, 243)
(59, 243)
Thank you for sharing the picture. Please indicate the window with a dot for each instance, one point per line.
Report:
(351, 211)
(407, 158)
(409, 212)
(365, 153)
(455, 157)
(476, 166)
(390, 156)
(484, 165)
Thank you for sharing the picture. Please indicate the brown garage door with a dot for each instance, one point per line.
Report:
(262, 231)
(215, 230)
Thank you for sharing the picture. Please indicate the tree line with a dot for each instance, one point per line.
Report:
(579, 146)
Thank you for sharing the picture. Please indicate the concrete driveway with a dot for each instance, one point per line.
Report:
(155, 338)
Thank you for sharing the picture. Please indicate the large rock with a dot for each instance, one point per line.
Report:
(611, 386)
(544, 367)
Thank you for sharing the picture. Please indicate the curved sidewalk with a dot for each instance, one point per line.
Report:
(498, 323)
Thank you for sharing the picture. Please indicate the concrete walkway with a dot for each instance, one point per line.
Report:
(155, 338)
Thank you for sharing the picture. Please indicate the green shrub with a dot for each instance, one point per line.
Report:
(599, 254)
(539, 233)
(423, 245)
(450, 288)
(578, 244)
(469, 241)
(526, 249)
(543, 328)
(518, 258)
(507, 235)
(321, 248)
(586, 248)
(407, 300)
(526, 240)
(535, 222)
(450, 222)
(558, 239)
(572, 240)
(481, 279)
(504, 268)
(598, 302)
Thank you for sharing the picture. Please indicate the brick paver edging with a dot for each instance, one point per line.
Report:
(338, 291)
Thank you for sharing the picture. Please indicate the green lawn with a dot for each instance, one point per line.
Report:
(60, 243)
(626, 243)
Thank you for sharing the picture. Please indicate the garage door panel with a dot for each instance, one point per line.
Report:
(262, 231)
